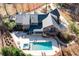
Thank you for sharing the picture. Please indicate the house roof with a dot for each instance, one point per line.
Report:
(55, 12)
(41, 17)
(23, 19)
(48, 21)
(19, 18)
(34, 18)
(26, 19)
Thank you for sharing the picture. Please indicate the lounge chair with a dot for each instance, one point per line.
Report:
(43, 53)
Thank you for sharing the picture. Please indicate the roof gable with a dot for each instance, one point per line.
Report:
(55, 12)
(48, 21)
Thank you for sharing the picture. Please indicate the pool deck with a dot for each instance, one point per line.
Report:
(36, 38)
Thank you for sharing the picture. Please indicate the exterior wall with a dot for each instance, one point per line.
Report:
(25, 27)
(22, 27)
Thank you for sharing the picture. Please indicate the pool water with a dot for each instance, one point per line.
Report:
(42, 45)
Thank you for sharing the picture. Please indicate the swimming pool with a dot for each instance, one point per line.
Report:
(41, 45)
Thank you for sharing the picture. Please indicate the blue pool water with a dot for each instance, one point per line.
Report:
(42, 45)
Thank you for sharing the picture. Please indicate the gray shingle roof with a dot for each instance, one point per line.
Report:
(19, 18)
(23, 19)
(48, 21)
(34, 18)
(26, 19)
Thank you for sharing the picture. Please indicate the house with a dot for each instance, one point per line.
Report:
(39, 22)
(50, 22)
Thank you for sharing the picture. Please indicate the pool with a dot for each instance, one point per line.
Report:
(41, 45)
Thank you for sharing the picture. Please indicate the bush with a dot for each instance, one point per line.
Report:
(74, 29)
(10, 24)
(29, 55)
(64, 37)
(11, 51)
(61, 5)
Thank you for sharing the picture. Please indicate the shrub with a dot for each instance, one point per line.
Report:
(61, 5)
(11, 51)
(10, 24)
(29, 55)
(74, 28)
(64, 37)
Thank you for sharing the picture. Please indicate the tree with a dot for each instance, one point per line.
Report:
(10, 24)
(29, 55)
(11, 51)
(60, 5)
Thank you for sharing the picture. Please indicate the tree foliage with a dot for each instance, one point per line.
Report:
(10, 24)
(11, 51)
(29, 55)
(74, 28)
(61, 5)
